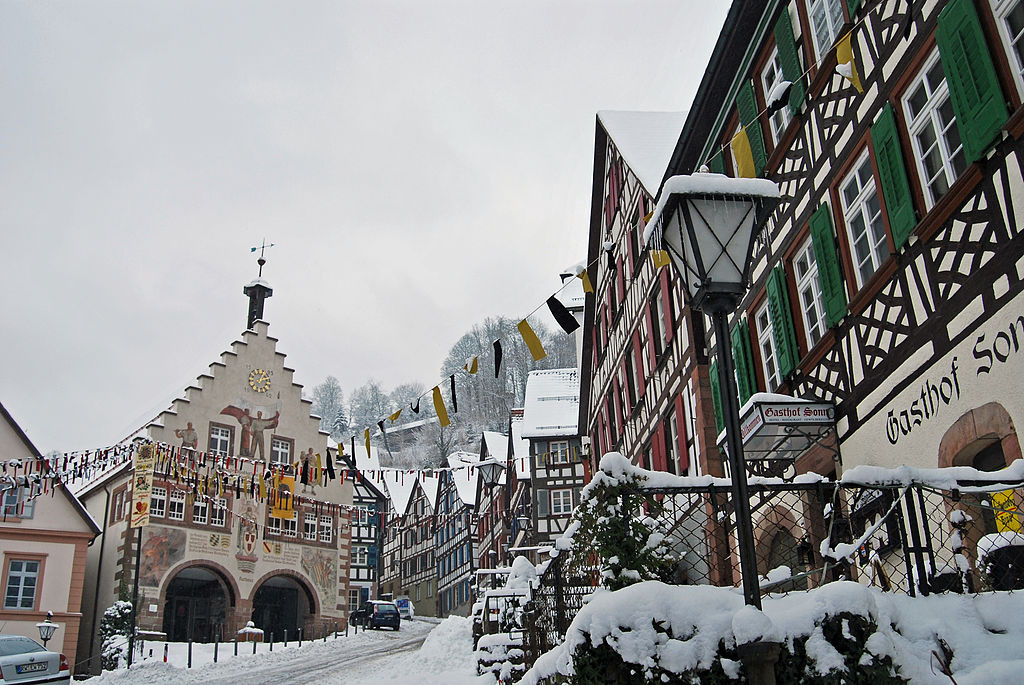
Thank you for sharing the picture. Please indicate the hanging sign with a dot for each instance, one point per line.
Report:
(142, 485)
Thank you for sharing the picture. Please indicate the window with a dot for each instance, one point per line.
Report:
(766, 343)
(22, 579)
(561, 502)
(672, 443)
(280, 451)
(16, 503)
(353, 600)
(771, 77)
(274, 526)
(559, 452)
(863, 215)
(199, 511)
(933, 131)
(359, 555)
(176, 506)
(290, 526)
(220, 440)
(1010, 18)
(826, 18)
(158, 501)
(219, 512)
(326, 529)
(309, 527)
(812, 305)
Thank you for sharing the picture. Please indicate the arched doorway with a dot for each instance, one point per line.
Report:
(282, 603)
(783, 552)
(197, 605)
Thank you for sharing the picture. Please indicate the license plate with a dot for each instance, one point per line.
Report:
(31, 668)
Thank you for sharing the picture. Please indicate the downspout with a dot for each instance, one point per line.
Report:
(99, 576)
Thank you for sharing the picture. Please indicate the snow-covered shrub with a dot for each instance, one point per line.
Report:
(1001, 559)
(630, 548)
(115, 627)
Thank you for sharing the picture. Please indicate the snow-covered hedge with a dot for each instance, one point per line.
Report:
(841, 632)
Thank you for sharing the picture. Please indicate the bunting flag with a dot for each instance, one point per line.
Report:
(472, 366)
(330, 464)
(845, 65)
(566, 320)
(380, 424)
(531, 340)
(394, 417)
(648, 217)
(585, 277)
(660, 258)
(497, 357)
(455, 400)
(442, 413)
(415, 407)
(744, 157)
(262, 488)
(366, 438)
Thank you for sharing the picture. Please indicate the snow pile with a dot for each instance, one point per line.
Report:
(523, 574)
(679, 628)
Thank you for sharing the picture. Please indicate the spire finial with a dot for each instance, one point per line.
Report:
(262, 248)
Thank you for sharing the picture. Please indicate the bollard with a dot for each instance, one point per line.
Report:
(300, 637)
(285, 637)
(150, 652)
(254, 646)
(190, 653)
(165, 652)
(216, 646)
(271, 642)
(236, 644)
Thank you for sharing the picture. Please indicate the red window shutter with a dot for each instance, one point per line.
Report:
(666, 303)
(659, 462)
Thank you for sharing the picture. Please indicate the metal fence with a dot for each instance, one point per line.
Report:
(913, 539)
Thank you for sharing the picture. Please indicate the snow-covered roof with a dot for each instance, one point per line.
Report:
(645, 140)
(258, 281)
(400, 486)
(431, 483)
(463, 478)
(496, 443)
(520, 449)
(552, 404)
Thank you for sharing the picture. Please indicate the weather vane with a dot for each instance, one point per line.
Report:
(262, 248)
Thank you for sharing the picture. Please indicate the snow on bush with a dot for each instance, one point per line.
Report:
(115, 627)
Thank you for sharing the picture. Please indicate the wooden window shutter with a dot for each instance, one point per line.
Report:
(782, 321)
(717, 163)
(542, 502)
(973, 86)
(747, 107)
(741, 353)
(638, 364)
(716, 397)
(899, 206)
(666, 306)
(825, 254)
(790, 58)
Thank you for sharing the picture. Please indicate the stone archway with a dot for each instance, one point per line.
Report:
(776, 535)
(283, 601)
(976, 432)
(199, 601)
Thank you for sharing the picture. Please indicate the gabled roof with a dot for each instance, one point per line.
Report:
(89, 521)
(496, 444)
(645, 140)
(464, 478)
(430, 483)
(520, 450)
(552, 404)
(400, 486)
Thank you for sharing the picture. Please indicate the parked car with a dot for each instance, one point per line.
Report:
(405, 607)
(25, 661)
(377, 614)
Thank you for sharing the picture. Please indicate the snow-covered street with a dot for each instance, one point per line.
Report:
(420, 653)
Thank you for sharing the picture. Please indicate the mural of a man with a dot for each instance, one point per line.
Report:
(189, 436)
(258, 425)
(252, 430)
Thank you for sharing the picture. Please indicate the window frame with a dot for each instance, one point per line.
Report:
(22, 496)
(25, 557)
(274, 439)
(210, 439)
(773, 61)
(174, 498)
(158, 494)
(821, 50)
(810, 280)
(218, 512)
(325, 529)
(847, 213)
(558, 501)
(1015, 62)
(559, 455)
(200, 505)
(772, 376)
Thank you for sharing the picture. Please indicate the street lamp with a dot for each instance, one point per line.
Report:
(47, 628)
(490, 471)
(709, 225)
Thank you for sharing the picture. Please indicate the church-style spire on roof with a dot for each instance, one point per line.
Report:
(258, 290)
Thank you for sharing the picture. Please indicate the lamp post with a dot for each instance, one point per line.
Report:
(709, 225)
(490, 471)
(46, 628)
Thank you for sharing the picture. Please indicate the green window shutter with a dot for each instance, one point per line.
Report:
(747, 107)
(716, 398)
(853, 6)
(717, 164)
(827, 258)
(789, 56)
(782, 322)
(899, 205)
(541, 498)
(748, 353)
(741, 356)
(973, 86)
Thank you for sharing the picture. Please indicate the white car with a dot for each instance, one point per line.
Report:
(26, 662)
(405, 608)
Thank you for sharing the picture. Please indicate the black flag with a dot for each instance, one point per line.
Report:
(566, 320)
(455, 401)
(497, 357)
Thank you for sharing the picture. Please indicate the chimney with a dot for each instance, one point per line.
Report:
(257, 291)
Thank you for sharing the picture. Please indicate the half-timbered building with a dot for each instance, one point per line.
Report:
(455, 548)
(409, 566)
(369, 504)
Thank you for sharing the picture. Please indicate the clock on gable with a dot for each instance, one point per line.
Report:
(259, 380)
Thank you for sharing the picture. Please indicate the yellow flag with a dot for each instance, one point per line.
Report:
(394, 417)
(261, 483)
(316, 472)
(284, 489)
(472, 367)
(366, 436)
(587, 287)
(660, 258)
(744, 157)
(844, 62)
(442, 412)
(531, 340)
(648, 217)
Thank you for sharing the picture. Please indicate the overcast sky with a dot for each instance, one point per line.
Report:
(420, 165)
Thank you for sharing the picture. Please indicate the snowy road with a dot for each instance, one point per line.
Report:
(420, 654)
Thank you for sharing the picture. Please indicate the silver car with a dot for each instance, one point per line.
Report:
(25, 661)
